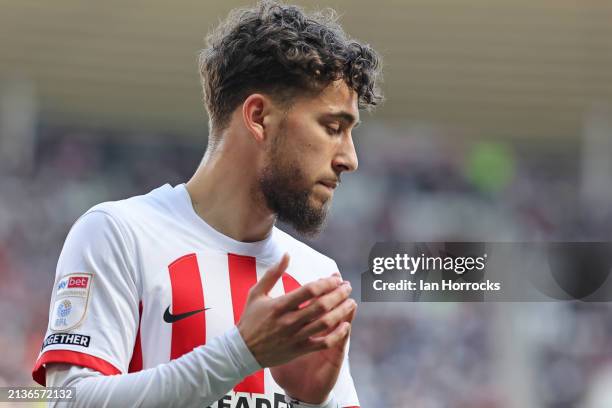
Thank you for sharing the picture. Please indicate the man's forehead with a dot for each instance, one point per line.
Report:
(338, 97)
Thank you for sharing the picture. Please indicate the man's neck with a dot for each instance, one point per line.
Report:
(224, 193)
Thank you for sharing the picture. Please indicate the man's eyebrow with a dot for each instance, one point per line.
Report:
(344, 116)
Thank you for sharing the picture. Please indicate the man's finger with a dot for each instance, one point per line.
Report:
(322, 305)
(333, 339)
(328, 321)
(352, 315)
(292, 300)
(272, 275)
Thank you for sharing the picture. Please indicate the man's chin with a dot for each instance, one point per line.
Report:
(311, 221)
(321, 198)
(305, 211)
(320, 205)
(309, 231)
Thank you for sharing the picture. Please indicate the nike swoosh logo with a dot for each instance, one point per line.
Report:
(171, 318)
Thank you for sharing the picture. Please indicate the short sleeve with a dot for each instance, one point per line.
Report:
(93, 315)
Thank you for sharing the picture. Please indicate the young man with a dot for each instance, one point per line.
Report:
(189, 295)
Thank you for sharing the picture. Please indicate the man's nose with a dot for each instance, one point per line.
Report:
(346, 157)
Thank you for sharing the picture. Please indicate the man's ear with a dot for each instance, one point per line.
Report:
(255, 108)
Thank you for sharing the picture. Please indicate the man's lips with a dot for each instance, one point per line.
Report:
(331, 184)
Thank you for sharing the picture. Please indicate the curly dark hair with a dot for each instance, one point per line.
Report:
(280, 50)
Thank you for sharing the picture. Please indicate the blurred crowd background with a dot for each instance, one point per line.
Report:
(497, 127)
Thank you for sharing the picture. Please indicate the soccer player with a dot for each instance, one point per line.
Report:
(189, 295)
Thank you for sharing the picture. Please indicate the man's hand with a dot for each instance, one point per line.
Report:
(277, 330)
(311, 377)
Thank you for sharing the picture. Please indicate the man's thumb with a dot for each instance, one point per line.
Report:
(272, 275)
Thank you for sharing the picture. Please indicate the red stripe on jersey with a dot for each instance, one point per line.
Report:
(70, 357)
(187, 296)
(136, 362)
(243, 275)
(289, 283)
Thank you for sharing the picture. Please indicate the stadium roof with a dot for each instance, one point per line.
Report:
(519, 68)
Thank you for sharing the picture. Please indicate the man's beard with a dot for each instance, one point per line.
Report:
(287, 195)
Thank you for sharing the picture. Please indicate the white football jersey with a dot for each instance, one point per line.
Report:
(143, 281)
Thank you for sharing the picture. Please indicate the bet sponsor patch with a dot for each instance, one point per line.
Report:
(70, 301)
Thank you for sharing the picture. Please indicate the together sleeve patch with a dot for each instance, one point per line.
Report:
(72, 339)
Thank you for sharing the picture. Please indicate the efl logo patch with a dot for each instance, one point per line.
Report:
(70, 301)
